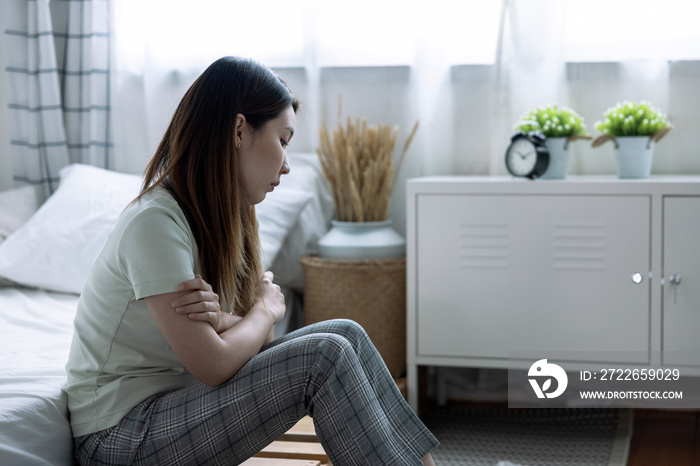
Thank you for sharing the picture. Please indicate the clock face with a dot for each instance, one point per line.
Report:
(521, 157)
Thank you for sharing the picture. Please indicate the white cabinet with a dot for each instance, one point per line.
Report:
(496, 265)
(538, 272)
(681, 263)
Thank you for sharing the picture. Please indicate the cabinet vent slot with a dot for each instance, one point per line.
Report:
(578, 246)
(484, 245)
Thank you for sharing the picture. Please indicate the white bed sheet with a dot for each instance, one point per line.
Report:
(35, 333)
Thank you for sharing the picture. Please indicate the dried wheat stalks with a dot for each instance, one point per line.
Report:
(357, 162)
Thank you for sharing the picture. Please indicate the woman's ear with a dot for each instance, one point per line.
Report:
(241, 126)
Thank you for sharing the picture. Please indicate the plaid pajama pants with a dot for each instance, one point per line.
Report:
(330, 371)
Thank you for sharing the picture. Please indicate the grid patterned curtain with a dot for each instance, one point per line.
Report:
(58, 65)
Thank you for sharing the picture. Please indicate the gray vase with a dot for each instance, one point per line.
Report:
(361, 240)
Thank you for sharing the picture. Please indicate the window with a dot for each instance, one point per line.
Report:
(186, 33)
(182, 34)
(605, 30)
(392, 32)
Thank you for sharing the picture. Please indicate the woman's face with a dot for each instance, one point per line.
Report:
(262, 157)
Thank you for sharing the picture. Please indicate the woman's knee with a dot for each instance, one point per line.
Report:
(335, 344)
(350, 329)
(345, 328)
(329, 355)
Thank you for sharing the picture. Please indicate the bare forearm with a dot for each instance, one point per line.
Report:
(228, 321)
(211, 344)
(244, 340)
(212, 358)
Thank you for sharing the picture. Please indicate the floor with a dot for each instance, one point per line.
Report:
(659, 437)
(662, 438)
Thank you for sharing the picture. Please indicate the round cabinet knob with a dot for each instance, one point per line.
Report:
(674, 279)
(637, 278)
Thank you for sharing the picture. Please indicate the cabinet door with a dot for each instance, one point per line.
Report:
(533, 273)
(681, 303)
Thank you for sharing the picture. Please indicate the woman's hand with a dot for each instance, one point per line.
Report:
(272, 298)
(201, 303)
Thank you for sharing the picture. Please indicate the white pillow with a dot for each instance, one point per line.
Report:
(277, 214)
(16, 206)
(55, 248)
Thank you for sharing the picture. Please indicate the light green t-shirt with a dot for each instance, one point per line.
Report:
(118, 356)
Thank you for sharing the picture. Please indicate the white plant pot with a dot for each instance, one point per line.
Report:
(633, 156)
(361, 240)
(558, 158)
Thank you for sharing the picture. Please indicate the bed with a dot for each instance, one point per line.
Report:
(45, 255)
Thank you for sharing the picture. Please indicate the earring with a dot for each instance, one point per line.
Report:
(239, 145)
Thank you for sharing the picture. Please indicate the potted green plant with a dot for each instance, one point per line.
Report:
(634, 128)
(560, 125)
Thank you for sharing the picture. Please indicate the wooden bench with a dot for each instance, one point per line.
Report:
(298, 447)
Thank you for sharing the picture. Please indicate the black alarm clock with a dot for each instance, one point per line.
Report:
(527, 155)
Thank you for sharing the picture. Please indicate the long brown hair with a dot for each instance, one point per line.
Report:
(196, 161)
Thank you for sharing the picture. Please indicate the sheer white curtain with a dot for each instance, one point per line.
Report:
(390, 59)
(58, 75)
(467, 70)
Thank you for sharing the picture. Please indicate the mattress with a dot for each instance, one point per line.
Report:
(35, 334)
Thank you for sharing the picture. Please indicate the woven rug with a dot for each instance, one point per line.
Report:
(531, 437)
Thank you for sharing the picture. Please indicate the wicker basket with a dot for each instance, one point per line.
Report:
(370, 292)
